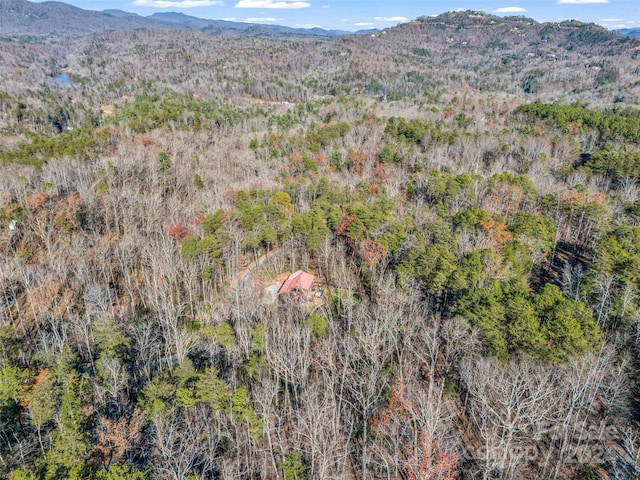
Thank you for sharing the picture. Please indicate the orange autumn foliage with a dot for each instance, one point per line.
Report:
(371, 251)
(356, 161)
(396, 406)
(178, 231)
(115, 437)
(35, 200)
(577, 198)
(496, 232)
(344, 224)
(429, 461)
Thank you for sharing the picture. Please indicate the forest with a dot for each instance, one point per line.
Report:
(464, 190)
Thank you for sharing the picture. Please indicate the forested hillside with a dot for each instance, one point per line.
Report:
(463, 188)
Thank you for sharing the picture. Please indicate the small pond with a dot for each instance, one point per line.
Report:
(61, 79)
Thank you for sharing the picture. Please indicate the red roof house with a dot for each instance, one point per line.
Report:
(297, 281)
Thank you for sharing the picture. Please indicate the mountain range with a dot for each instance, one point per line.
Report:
(52, 19)
(21, 18)
(631, 32)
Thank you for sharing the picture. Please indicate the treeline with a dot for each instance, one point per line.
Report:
(148, 111)
(167, 109)
(609, 125)
(478, 312)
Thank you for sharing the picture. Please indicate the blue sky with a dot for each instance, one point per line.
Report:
(360, 14)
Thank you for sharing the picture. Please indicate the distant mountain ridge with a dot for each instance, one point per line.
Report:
(473, 30)
(57, 19)
(21, 18)
(630, 32)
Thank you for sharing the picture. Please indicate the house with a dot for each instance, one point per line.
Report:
(297, 281)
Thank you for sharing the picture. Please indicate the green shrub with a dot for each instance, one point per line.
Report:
(318, 324)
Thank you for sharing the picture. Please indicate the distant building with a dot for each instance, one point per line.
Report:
(298, 281)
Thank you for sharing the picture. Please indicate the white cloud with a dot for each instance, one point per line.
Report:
(579, 2)
(260, 20)
(617, 23)
(176, 4)
(363, 24)
(230, 19)
(390, 19)
(510, 10)
(283, 4)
